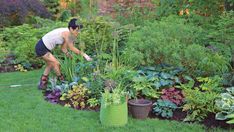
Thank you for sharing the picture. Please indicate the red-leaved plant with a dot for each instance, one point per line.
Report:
(174, 95)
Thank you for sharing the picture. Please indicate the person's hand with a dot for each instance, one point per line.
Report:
(69, 55)
(87, 57)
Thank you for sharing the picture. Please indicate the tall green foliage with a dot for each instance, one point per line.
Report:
(52, 6)
(220, 35)
(133, 14)
(173, 41)
(201, 7)
(21, 40)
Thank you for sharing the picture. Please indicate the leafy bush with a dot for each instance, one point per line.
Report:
(96, 34)
(66, 14)
(15, 12)
(199, 61)
(200, 96)
(225, 104)
(173, 41)
(142, 86)
(162, 75)
(164, 108)
(133, 14)
(204, 8)
(220, 36)
(21, 40)
(174, 95)
(116, 97)
(198, 104)
(52, 6)
(212, 84)
(228, 79)
(77, 96)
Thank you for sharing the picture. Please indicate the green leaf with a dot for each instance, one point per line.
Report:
(220, 116)
(230, 122)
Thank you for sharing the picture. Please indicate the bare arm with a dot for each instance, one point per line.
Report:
(70, 45)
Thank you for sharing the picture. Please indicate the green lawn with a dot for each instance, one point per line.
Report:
(24, 109)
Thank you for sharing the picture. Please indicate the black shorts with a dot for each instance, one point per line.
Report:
(41, 49)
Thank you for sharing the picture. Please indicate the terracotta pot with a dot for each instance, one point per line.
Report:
(139, 108)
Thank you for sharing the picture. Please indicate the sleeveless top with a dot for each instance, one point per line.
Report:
(53, 38)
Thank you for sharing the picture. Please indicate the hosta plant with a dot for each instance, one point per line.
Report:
(162, 75)
(225, 104)
(231, 119)
(164, 108)
(141, 86)
(174, 95)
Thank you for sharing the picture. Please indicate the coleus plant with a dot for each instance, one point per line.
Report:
(174, 95)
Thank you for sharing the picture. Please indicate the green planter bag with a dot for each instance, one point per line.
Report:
(114, 114)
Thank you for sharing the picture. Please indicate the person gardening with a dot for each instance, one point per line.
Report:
(60, 36)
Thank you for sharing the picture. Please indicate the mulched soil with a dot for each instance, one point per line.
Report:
(209, 121)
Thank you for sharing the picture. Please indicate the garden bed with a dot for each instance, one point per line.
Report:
(178, 115)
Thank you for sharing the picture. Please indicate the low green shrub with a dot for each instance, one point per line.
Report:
(173, 41)
(21, 40)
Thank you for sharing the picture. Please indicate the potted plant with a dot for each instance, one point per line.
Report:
(140, 107)
(114, 111)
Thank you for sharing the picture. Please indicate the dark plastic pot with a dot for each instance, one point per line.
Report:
(139, 108)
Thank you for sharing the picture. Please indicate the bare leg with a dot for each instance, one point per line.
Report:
(47, 69)
(52, 62)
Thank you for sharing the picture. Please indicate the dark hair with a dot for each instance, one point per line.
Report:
(74, 24)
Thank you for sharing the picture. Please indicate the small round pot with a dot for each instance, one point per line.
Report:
(139, 108)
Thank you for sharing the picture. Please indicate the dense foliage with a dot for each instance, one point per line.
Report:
(21, 40)
(15, 12)
(175, 42)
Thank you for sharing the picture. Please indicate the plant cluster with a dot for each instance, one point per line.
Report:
(54, 96)
(164, 108)
(174, 95)
(198, 104)
(77, 97)
(117, 96)
(225, 105)
(173, 41)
